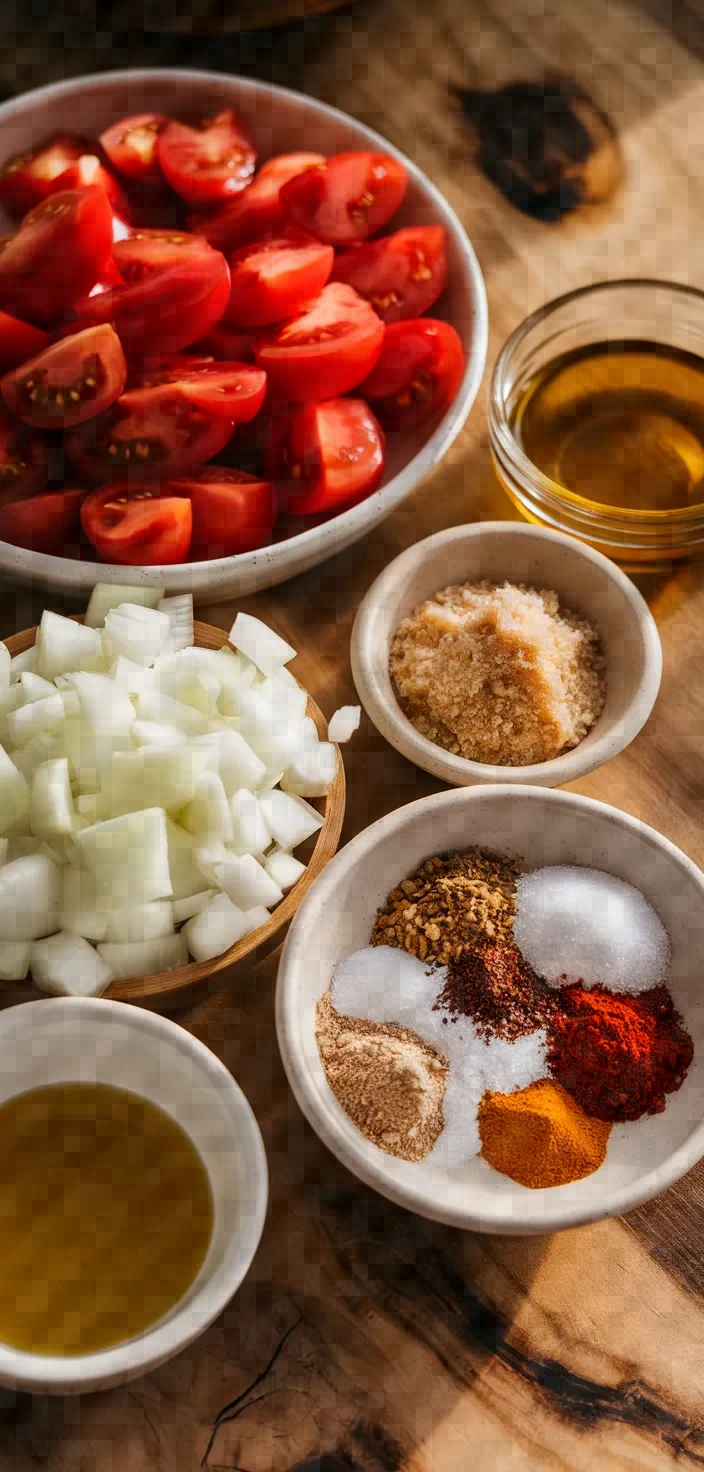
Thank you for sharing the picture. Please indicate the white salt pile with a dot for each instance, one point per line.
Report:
(385, 984)
(574, 924)
(498, 1065)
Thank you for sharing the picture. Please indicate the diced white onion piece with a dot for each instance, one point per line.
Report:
(155, 705)
(144, 958)
(39, 715)
(5, 664)
(14, 794)
(102, 702)
(157, 733)
(186, 877)
(27, 660)
(34, 687)
(283, 868)
(275, 740)
(235, 673)
(71, 703)
(39, 748)
(129, 857)
(83, 911)
(194, 659)
(288, 699)
(64, 645)
(251, 833)
(30, 898)
(247, 883)
(139, 633)
(89, 752)
(50, 800)
(179, 610)
(194, 687)
(14, 959)
(130, 676)
(186, 909)
(10, 700)
(267, 650)
(141, 923)
(110, 595)
(311, 739)
(88, 805)
(209, 857)
(67, 966)
(290, 820)
(233, 759)
(313, 772)
(219, 926)
(20, 845)
(150, 778)
(344, 722)
(207, 816)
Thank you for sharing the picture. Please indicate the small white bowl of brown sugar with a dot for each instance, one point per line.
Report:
(504, 652)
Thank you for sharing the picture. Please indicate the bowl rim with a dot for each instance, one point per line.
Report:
(386, 714)
(54, 1374)
(26, 563)
(355, 1152)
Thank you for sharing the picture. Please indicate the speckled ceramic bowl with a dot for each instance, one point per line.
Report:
(538, 827)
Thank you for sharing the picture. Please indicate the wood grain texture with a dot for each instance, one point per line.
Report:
(404, 1345)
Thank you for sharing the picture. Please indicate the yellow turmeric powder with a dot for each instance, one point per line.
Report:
(540, 1136)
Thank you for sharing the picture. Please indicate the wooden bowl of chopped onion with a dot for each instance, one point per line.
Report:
(118, 897)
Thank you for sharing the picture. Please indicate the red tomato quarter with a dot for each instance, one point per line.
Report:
(58, 254)
(400, 276)
(69, 382)
(417, 374)
(346, 199)
(158, 433)
(18, 341)
(326, 457)
(208, 164)
(87, 172)
(274, 280)
(234, 389)
(50, 524)
(29, 178)
(232, 512)
(161, 309)
(131, 146)
(135, 525)
(256, 213)
(324, 351)
(24, 460)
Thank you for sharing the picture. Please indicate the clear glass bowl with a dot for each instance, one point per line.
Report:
(611, 312)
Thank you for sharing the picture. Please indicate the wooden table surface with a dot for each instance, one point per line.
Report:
(364, 1339)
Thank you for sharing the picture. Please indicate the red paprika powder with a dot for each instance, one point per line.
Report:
(618, 1056)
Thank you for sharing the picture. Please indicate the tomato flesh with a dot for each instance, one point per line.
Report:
(162, 310)
(131, 146)
(69, 382)
(58, 253)
(24, 460)
(87, 172)
(418, 373)
(325, 457)
(232, 512)
(208, 164)
(50, 524)
(226, 345)
(154, 433)
(346, 199)
(274, 280)
(135, 525)
(18, 341)
(400, 276)
(29, 178)
(326, 350)
(256, 213)
(234, 389)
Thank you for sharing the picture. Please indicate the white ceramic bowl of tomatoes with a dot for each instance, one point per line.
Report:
(236, 329)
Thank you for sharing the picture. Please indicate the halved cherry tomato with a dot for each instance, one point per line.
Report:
(226, 345)
(161, 311)
(159, 433)
(136, 525)
(69, 382)
(58, 253)
(18, 341)
(234, 389)
(131, 146)
(257, 212)
(24, 460)
(400, 276)
(326, 350)
(208, 164)
(29, 178)
(232, 512)
(417, 374)
(325, 457)
(50, 524)
(346, 199)
(275, 279)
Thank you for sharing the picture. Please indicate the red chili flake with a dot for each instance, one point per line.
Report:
(497, 988)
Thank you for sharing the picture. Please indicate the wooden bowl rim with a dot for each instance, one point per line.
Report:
(165, 984)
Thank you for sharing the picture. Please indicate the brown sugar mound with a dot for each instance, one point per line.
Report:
(500, 675)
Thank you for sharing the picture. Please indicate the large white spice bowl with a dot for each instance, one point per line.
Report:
(537, 827)
(587, 583)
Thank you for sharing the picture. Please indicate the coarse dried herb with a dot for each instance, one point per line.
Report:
(451, 902)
